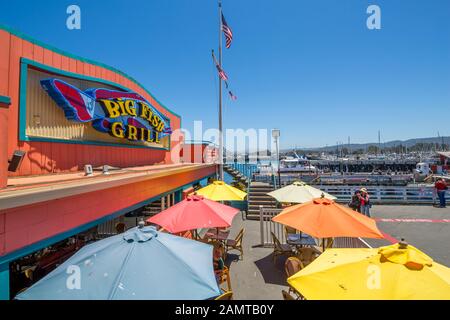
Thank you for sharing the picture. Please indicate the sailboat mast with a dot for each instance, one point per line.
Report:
(220, 96)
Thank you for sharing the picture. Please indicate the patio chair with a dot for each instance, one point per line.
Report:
(205, 240)
(329, 243)
(292, 266)
(307, 255)
(235, 243)
(286, 295)
(279, 248)
(120, 227)
(289, 230)
(225, 296)
(225, 278)
(187, 234)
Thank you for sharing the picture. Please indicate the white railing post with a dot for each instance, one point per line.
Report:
(261, 219)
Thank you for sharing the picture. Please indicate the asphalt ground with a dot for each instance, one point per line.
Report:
(425, 227)
(257, 277)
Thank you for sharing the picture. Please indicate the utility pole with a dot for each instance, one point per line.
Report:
(276, 136)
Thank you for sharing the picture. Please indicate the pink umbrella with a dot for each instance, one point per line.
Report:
(195, 212)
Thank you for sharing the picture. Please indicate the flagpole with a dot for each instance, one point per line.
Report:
(220, 96)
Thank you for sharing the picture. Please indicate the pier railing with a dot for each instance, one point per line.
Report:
(267, 226)
(245, 168)
(410, 194)
(380, 194)
(416, 194)
(269, 177)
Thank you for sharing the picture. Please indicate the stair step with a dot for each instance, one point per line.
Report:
(256, 183)
(252, 217)
(261, 203)
(255, 211)
(261, 195)
(258, 197)
(260, 187)
(256, 207)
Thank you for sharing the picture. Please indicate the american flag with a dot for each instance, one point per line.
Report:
(222, 73)
(227, 32)
(232, 96)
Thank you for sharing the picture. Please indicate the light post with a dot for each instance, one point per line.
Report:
(276, 136)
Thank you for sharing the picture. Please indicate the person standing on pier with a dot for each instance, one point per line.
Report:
(364, 199)
(355, 202)
(441, 186)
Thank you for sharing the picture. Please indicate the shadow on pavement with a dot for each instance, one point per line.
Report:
(272, 272)
(231, 257)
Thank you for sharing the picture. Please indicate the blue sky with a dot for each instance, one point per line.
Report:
(310, 68)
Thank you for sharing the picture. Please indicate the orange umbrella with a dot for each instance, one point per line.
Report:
(323, 218)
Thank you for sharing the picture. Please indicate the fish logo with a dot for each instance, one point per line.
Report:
(137, 119)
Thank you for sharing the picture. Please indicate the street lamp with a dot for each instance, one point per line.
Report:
(276, 136)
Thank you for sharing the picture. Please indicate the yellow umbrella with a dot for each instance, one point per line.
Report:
(396, 272)
(298, 192)
(220, 191)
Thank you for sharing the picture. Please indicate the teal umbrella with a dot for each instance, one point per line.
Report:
(140, 264)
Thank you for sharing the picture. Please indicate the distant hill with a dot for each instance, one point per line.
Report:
(355, 146)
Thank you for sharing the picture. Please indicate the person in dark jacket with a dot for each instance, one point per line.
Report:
(354, 202)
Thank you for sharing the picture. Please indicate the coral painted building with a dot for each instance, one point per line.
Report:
(60, 113)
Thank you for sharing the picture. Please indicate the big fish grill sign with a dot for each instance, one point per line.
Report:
(125, 115)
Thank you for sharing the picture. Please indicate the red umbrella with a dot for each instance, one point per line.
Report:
(195, 212)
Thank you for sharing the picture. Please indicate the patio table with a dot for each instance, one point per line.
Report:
(296, 236)
(301, 241)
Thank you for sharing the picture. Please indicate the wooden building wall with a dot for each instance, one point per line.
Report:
(52, 157)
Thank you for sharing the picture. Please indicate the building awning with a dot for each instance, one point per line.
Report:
(30, 190)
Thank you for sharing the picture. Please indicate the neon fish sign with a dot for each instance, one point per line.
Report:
(122, 114)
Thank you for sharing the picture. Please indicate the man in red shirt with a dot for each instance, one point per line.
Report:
(441, 187)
